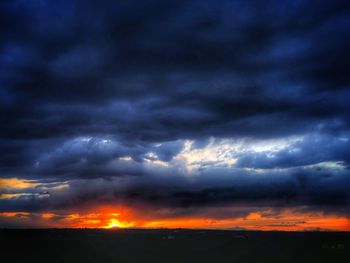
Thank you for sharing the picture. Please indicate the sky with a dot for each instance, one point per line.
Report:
(175, 114)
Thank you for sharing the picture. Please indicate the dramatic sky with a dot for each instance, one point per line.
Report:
(202, 114)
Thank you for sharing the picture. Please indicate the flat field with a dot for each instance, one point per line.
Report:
(166, 246)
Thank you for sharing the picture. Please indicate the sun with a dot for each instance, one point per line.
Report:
(115, 223)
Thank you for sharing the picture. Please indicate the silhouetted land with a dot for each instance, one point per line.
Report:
(72, 245)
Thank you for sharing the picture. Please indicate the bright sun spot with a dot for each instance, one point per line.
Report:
(115, 223)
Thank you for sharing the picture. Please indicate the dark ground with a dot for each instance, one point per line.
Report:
(68, 245)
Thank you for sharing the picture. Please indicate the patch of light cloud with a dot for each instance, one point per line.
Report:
(152, 159)
(25, 196)
(16, 183)
(125, 158)
(191, 156)
(225, 152)
(21, 189)
(331, 165)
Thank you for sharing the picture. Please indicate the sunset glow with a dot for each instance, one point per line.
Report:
(265, 221)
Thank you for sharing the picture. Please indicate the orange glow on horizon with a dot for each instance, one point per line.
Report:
(126, 218)
(263, 224)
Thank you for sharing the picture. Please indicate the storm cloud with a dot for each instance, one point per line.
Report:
(175, 104)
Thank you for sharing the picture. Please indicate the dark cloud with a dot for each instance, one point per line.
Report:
(310, 150)
(115, 89)
(317, 188)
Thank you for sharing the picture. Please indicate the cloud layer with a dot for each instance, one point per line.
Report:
(175, 104)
